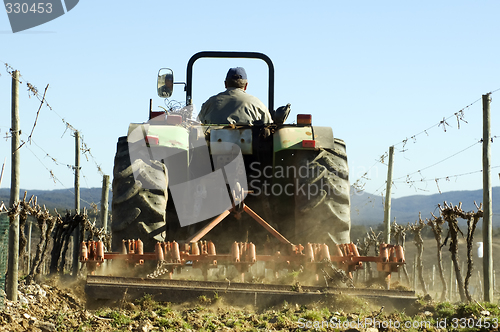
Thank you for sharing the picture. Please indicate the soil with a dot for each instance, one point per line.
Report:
(54, 305)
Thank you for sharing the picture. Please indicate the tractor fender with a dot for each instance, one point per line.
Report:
(168, 136)
(291, 138)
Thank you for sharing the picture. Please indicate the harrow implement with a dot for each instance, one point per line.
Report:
(172, 257)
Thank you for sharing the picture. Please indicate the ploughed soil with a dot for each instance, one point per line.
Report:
(53, 305)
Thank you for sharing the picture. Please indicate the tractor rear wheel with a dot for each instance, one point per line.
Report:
(138, 212)
(322, 195)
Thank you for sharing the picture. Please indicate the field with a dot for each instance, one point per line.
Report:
(59, 305)
(56, 306)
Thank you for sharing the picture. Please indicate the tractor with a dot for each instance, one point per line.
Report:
(247, 205)
(172, 175)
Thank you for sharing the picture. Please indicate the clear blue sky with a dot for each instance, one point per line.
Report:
(377, 72)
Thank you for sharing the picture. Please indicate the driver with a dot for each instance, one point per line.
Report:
(234, 106)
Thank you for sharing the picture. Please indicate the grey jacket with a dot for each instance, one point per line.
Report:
(233, 106)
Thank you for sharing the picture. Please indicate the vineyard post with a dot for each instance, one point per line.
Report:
(76, 234)
(13, 261)
(105, 202)
(77, 172)
(488, 210)
(387, 209)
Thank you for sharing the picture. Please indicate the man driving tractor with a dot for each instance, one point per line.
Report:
(234, 106)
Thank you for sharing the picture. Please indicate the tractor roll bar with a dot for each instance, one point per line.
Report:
(222, 54)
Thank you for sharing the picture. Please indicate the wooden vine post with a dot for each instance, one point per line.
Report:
(13, 261)
(387, 207)
(488, 210)
(105, 202)
(76, 234)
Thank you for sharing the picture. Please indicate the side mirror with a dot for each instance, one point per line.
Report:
(165, 82)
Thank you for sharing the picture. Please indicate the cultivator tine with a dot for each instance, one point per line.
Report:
(252, 256)
(124, 247)
(84, 255)
(99, 247)
(235, 252)
(400, 256)
(140, 247)
(195, 250)
(325, 253)
(339, 251)
(159, 252)
(309, 253)
(211, 248)
(176, 255)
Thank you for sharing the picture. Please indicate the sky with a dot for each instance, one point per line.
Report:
(380, 73)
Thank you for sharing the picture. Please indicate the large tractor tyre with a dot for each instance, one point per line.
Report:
(322, 196)
(138, 213)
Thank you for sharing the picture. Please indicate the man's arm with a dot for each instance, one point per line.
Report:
(264, 113)
(266, 116)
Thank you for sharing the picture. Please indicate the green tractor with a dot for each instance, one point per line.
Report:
(173, 175)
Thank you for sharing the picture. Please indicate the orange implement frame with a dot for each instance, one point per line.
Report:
(202, 254)
(205, 230)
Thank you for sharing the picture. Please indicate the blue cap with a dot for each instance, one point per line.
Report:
(236, 73)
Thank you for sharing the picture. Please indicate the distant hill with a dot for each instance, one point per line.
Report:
(368, 209)
(61, 199)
